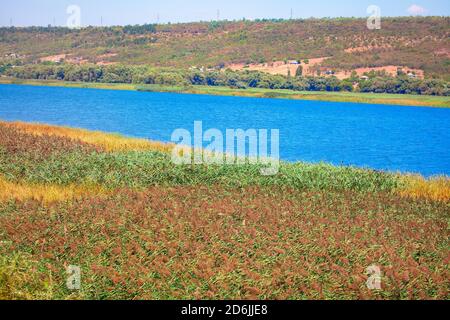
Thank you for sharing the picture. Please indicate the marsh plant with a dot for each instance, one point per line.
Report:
(90, 215)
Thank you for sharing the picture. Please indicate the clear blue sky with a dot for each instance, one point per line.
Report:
(120, 12)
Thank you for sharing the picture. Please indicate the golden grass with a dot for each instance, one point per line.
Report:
(108, 141)
(45, 193)
(434, 188)
(437, 188)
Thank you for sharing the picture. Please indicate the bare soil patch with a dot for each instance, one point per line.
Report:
(391, 70)
(281, 67)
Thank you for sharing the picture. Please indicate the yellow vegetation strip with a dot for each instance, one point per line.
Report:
(437, 188)
(46, 193)
(108, 141)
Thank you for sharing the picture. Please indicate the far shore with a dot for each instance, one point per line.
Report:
(368, 98)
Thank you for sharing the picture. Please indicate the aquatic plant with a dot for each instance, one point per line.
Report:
(140, 227)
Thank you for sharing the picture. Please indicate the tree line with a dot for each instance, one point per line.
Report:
(376, 83)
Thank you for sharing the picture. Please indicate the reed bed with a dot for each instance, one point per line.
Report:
(435, 188)
(46, 193)
(108, 141)
(141, 227)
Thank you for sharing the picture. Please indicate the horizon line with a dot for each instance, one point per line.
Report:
(222, 20)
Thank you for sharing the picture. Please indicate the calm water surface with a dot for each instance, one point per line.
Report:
(395, 138)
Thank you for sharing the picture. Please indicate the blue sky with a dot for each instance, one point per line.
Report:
(120, 12)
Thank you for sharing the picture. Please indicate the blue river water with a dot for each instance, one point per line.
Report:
(384, 137)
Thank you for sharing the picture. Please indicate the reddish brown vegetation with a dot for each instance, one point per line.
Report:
(244, 244)
(207, 241)
(16, 142)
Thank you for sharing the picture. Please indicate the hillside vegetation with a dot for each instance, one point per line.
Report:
(142, 228)
(332, 54)
(421, 43)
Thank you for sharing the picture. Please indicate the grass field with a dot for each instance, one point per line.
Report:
(372, 98)
(142, 228)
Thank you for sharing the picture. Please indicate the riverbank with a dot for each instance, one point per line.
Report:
(317, 176)
(368, 98)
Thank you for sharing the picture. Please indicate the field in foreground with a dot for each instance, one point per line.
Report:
(370, 98)
(142, 228)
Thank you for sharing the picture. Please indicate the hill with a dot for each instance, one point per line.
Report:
(420, 44)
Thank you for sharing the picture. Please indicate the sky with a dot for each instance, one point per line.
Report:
(122, 12)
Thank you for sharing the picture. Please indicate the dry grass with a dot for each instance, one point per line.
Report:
(107, 141)
(45, 193)
(437, 189)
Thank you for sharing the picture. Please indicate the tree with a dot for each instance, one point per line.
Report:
(400, 72)
(354, 76)
(197, 78)
(377, 83)
(347, 85)
(299, 71)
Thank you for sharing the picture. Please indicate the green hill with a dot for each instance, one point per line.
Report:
(420, 43)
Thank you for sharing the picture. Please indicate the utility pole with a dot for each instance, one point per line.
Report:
(11, 22)
(54, 29)
(157, 18)
(292, 13)
(101, 21)
(218, 15)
